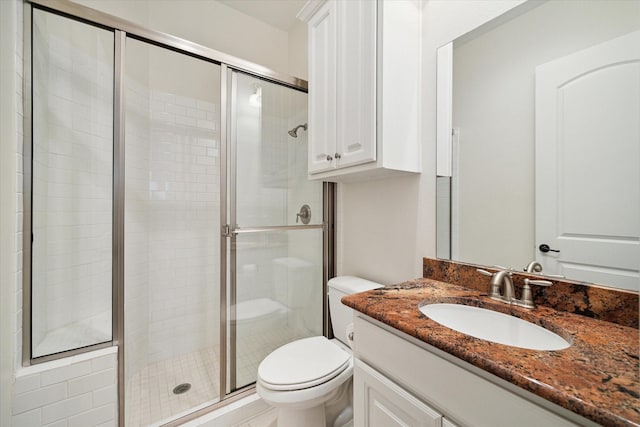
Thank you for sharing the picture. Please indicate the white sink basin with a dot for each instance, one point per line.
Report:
(493, 326)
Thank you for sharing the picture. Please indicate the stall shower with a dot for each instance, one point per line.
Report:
(165, 186)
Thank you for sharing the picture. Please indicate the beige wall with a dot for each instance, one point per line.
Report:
(386, 227)
(208, 23)
(298, 58)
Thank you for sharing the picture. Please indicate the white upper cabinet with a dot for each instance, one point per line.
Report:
(322, 48)
(364, 83)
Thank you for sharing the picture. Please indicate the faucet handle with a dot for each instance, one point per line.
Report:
(527, 297)
(538, 282)
(485, 272)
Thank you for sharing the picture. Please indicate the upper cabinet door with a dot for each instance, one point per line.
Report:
(322, 88)
(364, 80)
(356, 108)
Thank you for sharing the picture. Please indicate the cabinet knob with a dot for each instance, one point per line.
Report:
(329, 158)
(337, 155)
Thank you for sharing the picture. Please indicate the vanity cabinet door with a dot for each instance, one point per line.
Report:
(379, 402)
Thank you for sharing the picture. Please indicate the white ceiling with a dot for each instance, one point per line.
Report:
(279, 13)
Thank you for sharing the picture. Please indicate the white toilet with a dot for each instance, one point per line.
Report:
(304, 376)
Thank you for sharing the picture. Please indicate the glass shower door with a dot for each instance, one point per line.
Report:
(172, 237)
(276, 218)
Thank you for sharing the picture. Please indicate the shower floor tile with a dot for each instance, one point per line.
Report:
(149, 394)
(150, 400)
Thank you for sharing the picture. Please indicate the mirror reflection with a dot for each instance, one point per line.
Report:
(546, 143)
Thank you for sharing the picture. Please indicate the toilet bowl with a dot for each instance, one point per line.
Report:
(304, 378)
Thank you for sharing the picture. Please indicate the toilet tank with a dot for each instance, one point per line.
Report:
(341, 315)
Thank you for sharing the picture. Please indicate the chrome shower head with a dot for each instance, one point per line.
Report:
(294, 132)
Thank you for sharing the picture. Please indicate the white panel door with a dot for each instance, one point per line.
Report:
(356, 106)
(322, 88)
(588, 163)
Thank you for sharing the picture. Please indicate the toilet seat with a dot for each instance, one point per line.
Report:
(303, 364)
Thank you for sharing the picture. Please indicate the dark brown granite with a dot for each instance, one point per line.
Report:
(596, 377)
(612, 305)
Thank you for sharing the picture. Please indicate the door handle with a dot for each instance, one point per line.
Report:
(545, 248)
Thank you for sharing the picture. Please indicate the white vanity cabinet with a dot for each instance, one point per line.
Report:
(364, 63)
(400, 381)
(378, 401)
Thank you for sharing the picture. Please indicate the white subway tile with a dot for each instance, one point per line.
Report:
(38, 398)
(207, 124)
(94, 417)
(162, 116)
(207, 106)
(197, 114)
(162, 96)
(92, 382)
(187, 121)
(26, 383)
(65, 373)
(104, 362)
(187, 102)
(67, 408)
(105, 395)
(176, 109)
(28, 419)
(61, 423)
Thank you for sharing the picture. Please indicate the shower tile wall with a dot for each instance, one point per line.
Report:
(75, 392)
(184, 190)
(136, 268)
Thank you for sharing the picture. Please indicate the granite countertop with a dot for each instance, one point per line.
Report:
(597, 377)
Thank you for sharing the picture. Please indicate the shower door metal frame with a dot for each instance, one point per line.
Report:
(122, 30)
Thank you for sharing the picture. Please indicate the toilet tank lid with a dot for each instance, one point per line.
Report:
(352, 284)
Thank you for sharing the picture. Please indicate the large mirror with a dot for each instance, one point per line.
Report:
(544, 142)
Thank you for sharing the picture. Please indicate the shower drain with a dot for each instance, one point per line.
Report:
(182, 388)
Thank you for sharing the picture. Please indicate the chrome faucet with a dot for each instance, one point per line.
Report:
(500, 279)
(533, 267)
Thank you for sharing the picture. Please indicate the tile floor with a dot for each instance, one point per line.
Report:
(150, 399)
(266, 419)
